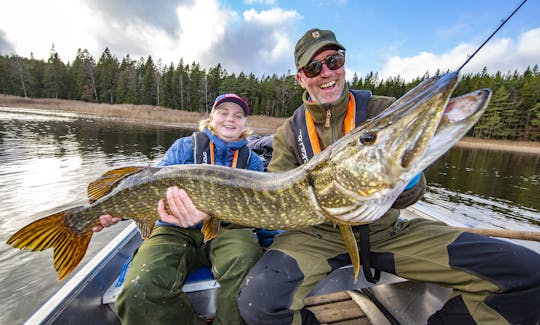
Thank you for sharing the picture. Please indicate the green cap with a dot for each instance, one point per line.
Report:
(312, 41)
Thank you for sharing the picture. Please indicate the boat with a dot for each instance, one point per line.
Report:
(88, 297)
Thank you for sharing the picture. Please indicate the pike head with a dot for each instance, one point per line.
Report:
(359, 177)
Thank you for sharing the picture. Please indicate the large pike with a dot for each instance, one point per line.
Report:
(354, 181)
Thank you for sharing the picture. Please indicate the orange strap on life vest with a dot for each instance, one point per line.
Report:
(212, 159)
(348, 124)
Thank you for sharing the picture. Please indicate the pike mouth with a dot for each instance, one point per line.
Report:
(417, 115)
(431, 122)
(457, 118)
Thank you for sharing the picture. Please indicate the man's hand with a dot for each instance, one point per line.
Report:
(106, 220)
(184, 212)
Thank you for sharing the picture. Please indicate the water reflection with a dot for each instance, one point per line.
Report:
(496, 187)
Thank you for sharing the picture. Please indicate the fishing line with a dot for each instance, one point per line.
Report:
(490, 36)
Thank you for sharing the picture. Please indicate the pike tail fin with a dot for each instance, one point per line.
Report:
(68, 247)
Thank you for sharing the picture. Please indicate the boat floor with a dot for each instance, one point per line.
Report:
(340, 308)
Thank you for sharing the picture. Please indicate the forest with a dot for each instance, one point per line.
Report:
(513, 113)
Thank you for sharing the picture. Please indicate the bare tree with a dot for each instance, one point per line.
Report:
(22, 74)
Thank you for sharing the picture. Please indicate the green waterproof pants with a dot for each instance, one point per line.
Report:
(152, 292)
(419, 250)
(493, 281)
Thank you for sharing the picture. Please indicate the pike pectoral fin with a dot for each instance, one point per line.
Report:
(210, 228)
(106, 182)
(69, 247)
(352, 248)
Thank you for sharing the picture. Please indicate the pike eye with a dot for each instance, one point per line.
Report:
(368, 138)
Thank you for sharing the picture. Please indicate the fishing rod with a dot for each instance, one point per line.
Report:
(492, 34)
(504, 233)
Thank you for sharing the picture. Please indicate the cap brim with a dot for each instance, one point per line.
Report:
(237, 101)
(313, 50)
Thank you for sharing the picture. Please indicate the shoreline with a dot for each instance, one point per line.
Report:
(500, 145)
(146, 114)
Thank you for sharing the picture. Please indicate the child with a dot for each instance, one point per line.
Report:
(152, 290)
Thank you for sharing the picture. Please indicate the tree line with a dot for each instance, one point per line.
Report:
(513, 113)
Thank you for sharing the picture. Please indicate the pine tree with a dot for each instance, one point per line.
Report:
(107, 77)
(148, 88)
(83, 74)
(491, 124)
(126, 86)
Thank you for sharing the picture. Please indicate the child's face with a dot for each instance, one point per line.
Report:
(228, 121)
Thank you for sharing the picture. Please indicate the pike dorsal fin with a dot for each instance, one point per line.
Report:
(103, 185)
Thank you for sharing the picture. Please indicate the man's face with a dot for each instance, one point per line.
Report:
(326, 87)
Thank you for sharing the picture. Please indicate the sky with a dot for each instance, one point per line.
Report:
(389, 37)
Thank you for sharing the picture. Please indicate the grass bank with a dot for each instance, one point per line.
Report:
(132, 113)
(161, 115)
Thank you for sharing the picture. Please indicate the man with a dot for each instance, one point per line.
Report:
(493, 281)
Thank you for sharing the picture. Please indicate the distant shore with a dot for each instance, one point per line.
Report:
(516, 146)
(165, 116)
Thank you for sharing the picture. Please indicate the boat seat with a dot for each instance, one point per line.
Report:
(199, 286)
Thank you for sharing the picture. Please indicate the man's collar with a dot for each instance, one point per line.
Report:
(318, 111)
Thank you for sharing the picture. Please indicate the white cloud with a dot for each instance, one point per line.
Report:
(30, 27)
(203, 24)
(259, 43)
(281, 47)
(73, 24)
(529, 45)
(501, 54)
(132, 36)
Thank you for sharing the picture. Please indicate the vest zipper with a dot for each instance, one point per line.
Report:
(328, 117)
(330, 123)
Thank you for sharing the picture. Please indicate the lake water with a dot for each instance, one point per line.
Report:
(47, 159)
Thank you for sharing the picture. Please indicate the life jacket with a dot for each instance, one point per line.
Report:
(303, 127)
(203, 152)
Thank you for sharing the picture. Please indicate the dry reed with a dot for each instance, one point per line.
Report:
(133, 113)
(161, 115)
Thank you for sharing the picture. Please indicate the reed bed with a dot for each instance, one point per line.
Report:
(161, 115)
(133, 113)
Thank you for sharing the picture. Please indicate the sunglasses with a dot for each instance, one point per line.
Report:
(333, 62)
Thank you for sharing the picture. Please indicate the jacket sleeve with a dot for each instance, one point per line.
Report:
(377, 104)
(283, 157)
(180, 152)
(255, 162)
(412, 195)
